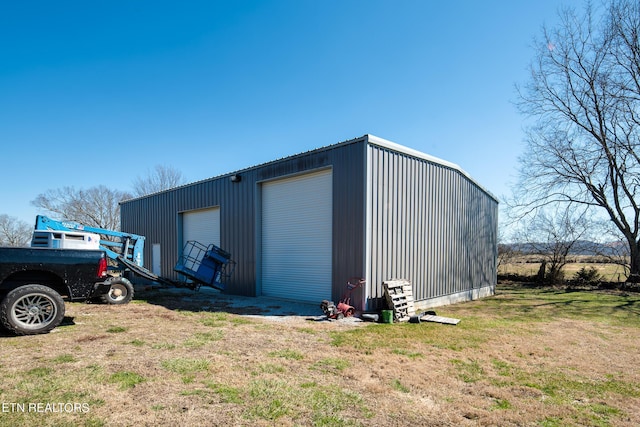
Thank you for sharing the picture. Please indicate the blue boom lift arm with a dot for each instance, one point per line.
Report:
(200, 264)
(127, 245)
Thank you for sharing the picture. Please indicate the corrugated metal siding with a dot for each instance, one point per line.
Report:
(427, 223)
(348, 219)
(395, 215)
(156, 216)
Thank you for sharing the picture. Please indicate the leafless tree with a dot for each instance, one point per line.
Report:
(161, 178)
(507, 252)
(583, 97)
(552, 235)
(614, 250)
(95, 207)
(14, 232)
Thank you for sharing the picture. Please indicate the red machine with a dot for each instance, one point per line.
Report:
(344, 307)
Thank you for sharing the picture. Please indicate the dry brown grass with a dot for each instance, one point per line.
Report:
(524, 357)
(530, 264)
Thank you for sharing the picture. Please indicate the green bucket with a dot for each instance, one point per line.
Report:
(387, 316)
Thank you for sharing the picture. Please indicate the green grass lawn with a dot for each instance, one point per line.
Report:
(526, 356)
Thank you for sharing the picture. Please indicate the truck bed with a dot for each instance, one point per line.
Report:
(74, 271)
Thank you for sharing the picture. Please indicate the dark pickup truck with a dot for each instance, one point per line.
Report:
(35, 282)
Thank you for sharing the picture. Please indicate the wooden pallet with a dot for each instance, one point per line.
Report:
(399, 296)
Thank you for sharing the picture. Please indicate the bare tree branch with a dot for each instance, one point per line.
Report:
(552, 234)
(96, 206)
(161, 178)
(584, 96)
(14, 232)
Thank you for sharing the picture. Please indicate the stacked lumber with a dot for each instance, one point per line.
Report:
(399, 296)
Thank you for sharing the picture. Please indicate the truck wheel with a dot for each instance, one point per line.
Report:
(121, 291)
(32, 309)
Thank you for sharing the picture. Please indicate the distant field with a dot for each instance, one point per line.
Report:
(529, 266)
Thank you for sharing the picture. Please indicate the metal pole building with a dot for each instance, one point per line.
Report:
(300, 227)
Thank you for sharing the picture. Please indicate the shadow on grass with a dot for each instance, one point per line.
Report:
(66, 321)
(543, 303)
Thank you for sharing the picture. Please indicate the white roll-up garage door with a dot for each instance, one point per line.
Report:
(202, 225)
(297, 237)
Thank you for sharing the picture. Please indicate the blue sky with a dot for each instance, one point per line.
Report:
(97, 93)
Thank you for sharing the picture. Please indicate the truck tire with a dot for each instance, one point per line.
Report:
(32, 309)
(120, 292)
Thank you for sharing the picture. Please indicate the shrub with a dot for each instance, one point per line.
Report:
(587, 276)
